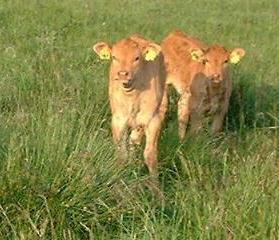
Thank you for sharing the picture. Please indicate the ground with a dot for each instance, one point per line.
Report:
(59, 177)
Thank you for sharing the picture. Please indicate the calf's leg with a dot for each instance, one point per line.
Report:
(196, 122)
(218, 119)
(217, 124)
(120, 135)
(152, 132)
(183, 114)
(164, 104)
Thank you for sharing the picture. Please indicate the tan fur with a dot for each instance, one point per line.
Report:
(205, 87)
(138, 109)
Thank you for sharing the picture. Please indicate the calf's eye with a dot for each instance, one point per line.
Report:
(226, 61)
(137, 58)
(204, 61)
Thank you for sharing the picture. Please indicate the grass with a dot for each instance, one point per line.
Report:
(58, 173)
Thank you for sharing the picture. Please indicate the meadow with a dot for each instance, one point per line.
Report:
(59, 178)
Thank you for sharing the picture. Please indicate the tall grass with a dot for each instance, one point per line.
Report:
(59, 177)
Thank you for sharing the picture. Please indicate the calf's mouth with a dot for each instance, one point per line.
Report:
(128, 85)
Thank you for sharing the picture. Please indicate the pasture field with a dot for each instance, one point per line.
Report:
(58, 173)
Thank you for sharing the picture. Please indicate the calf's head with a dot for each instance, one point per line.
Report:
(127, 58)
(216, 60)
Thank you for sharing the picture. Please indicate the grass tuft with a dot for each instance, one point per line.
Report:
(59, 178)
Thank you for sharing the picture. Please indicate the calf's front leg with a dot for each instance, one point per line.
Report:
(195, 122)
(217, 124)
(183, 114)
(218, 118)
(152, 132)
(120, 135)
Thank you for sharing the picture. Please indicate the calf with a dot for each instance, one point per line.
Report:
(136, 93)
(200, 74)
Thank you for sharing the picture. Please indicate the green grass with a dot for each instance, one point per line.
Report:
(58, 173)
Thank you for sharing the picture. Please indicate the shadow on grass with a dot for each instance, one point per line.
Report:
(253, 104)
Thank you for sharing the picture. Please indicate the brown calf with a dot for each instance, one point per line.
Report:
(136, 93)
(200, 74)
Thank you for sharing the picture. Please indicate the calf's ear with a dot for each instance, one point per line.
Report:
(197, 54)
(151, 51)
(236, 55)
(103, 50)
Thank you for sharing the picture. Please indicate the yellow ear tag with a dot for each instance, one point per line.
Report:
(150, 55)
(234, 58)
(105, 54)
(196, 55)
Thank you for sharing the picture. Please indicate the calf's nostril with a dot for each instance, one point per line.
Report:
(123, 73)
